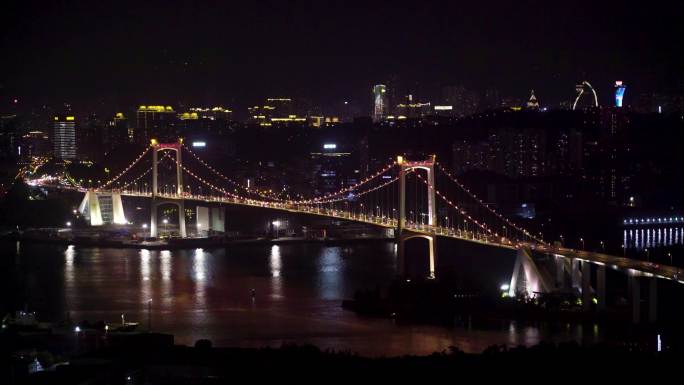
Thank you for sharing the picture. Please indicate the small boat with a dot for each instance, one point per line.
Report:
(124, 326)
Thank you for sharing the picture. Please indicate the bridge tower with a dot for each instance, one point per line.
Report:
(403, 234)
(156, 199)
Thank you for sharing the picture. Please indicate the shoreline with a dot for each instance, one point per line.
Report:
(188, 243)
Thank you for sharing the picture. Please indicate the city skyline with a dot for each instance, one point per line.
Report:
(191, 191)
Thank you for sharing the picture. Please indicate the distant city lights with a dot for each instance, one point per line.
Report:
(651, 221)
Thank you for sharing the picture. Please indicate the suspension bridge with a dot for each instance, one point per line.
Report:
(415, 198)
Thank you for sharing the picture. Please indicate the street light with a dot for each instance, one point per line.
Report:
(603, 246)
(582, 240)
(166, 222)
(670, 255)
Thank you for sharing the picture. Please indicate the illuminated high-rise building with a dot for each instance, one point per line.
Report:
(412, 108)
(117, 132)
(276, 111)
(533, 103)
(64, 137)
(380, 106)
(155, 122)
(619, 92)
(213, 113)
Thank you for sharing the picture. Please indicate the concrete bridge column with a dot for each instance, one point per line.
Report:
(653, 300)
(154, 232)
(181, 218)
(601, 288)
(218, 219)
(634, 287)
(179, 172)
(401, 221)
(432, 254)
(433, 257)
(118, 212)
(155, 161)
(575, 274)
(432, 202)
(586, 286)
(401, 258)
(560, 272)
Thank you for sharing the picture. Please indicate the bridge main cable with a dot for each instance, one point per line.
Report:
(347, 189)
(483, 204)
(130, 166)
(229, 180)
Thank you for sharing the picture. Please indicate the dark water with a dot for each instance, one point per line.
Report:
(207, 294)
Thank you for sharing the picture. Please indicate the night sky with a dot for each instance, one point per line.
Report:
(237, 53)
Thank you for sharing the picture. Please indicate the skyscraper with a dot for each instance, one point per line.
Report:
(379, 102)
(64, 137)
(155, 122)
(117, 132)
(619, 93)
(533, 103)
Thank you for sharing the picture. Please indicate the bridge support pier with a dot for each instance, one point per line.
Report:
(586, 286)
(653, 300)
(401, 234)
(154, 226)
(90, 208)
(601, 288)
(153, 218)
(533, 280)
(575, 274)
(156, 147)
(118, 215)
(560, 272)
(401, 254)
(634, 287)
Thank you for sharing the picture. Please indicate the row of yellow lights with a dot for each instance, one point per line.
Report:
(348, 189)
(453, 179)
(227, 178)
(363, 192)
(463, 212)
(126, 169)
(166, 155)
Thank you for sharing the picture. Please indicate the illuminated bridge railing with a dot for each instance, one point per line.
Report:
(383, 221)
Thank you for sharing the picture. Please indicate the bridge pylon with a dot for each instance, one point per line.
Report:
(405, 233)
(156, 199)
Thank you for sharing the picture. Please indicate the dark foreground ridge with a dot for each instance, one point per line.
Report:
(150, 358)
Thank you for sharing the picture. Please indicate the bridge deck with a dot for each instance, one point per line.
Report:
(632, 266)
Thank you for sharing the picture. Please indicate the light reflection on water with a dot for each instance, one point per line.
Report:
(298, 292)
(649, 237)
